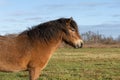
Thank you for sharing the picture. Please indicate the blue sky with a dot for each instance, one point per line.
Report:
(101, 16)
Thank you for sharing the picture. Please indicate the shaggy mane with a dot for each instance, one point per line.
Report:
(49, 30)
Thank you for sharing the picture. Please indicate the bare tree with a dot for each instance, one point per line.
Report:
(91, 37)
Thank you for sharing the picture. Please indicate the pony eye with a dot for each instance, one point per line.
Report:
(72, 29)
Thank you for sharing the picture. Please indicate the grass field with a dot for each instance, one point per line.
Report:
(78, 64)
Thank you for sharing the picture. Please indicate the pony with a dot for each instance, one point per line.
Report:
(31, 49)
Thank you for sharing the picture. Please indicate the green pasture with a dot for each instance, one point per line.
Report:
(77, 64)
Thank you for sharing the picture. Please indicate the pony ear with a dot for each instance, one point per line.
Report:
(69, 20)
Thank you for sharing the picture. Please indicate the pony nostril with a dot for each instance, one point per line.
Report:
(81, 45)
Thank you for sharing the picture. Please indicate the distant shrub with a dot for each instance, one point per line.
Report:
(95, 38)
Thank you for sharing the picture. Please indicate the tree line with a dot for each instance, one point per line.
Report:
(97, 38)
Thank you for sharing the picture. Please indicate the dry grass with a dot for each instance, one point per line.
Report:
(100, 45)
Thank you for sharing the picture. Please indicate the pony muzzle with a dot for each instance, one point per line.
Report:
(79, 44)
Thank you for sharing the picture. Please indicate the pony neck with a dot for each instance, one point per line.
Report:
(51, 44)
(39, 44)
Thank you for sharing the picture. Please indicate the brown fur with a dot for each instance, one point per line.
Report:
(32, 49)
